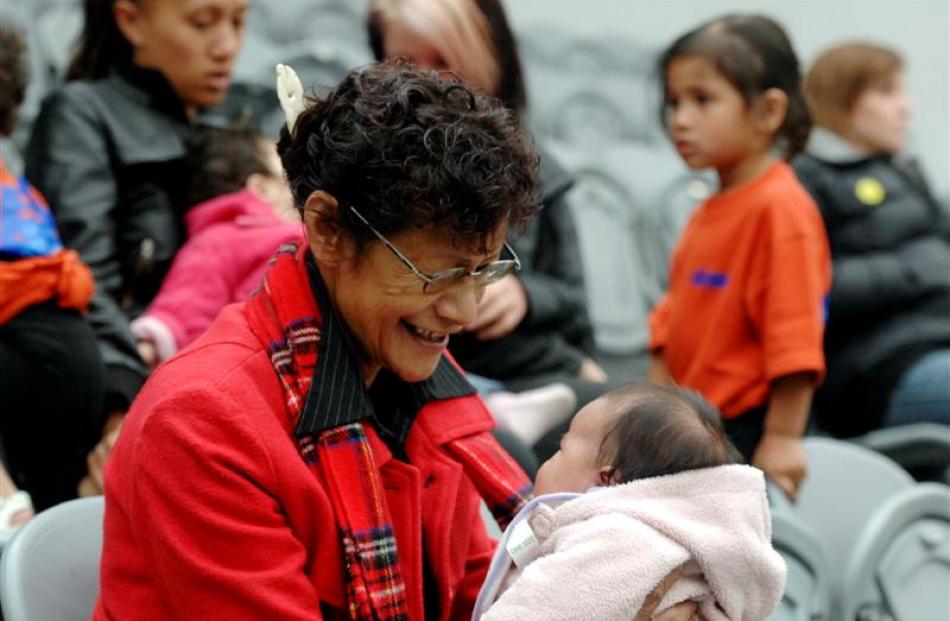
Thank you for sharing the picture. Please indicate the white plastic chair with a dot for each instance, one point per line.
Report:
(846, 484)
(923, 449)
(620, 200)
(900, 567)
(806, 597)
(50, 570)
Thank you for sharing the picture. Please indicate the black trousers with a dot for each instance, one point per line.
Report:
(745, 431)
(51, 386)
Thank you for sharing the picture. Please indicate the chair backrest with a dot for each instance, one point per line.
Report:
(806, 597)
(900, 568)
(622, 196)
(846, 483)
(50, 570)
(923, 449)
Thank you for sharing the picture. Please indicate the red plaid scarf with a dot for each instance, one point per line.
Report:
(375, 587)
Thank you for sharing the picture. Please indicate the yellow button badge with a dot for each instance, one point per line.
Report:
(870, 191)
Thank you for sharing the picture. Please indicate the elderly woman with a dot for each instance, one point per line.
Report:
(317, 455)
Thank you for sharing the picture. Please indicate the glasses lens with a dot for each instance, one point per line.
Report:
(443, 281)
(493, 272)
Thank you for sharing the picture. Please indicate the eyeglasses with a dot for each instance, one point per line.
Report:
(442, 281)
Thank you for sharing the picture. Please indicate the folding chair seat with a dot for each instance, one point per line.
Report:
(50, 570)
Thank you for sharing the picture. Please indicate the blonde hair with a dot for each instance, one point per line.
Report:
(456, 28)
(840, 75)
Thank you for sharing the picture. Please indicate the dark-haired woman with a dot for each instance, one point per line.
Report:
(317, 454)
(532, 328)
(107, 150)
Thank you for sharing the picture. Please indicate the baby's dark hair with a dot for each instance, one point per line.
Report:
(221, 159)
(13, 76)
(413, 149)
(660, 430)
(754, 54)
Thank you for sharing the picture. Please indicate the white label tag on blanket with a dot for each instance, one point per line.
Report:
(522, 545)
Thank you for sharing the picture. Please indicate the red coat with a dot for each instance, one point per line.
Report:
(212, 514)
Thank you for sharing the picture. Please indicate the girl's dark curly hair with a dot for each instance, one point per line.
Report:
(413, 149)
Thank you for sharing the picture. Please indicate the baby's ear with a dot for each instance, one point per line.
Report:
(609, 475)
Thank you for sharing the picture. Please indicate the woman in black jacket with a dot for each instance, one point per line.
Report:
(107, 151)
(888, 334)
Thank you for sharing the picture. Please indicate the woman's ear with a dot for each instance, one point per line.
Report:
(770, 110)
(329, 240)
(128, 19)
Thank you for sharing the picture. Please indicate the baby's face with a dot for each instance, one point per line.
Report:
(574, 467)
(273, 188)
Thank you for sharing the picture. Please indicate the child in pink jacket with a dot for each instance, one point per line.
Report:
(669, 494)
(243, 212)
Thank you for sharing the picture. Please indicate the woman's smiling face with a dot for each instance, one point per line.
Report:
(397, 325)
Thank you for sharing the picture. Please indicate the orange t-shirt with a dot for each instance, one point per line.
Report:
(748, 293)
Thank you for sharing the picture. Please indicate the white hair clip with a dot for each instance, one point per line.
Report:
(290, 94)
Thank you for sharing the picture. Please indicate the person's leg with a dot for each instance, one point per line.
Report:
(484, 385)
(21, 390)
(922, 395)
(16, 507)
(57, 413)
(532, 413)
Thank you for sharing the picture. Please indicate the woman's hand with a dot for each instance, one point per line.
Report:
(93, 483)
(148, 352)
(592, 372)
(687, 611)
(500, 310)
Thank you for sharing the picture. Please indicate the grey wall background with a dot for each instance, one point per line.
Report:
(918, 29)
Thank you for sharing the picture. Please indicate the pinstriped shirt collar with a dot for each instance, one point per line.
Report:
(337, 395)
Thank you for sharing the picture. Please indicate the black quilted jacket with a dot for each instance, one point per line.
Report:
(890, 297)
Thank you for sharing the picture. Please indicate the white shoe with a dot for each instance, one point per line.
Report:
(10, 507)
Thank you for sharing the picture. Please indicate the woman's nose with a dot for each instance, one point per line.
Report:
(227, 43)
(459, 304)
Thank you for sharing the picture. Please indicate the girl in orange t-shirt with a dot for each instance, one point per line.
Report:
(743, 318)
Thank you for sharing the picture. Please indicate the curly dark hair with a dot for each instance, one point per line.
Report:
(221, 159)
(413, 149)
(13, 76)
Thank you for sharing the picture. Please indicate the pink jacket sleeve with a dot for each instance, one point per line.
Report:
(198, 285)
